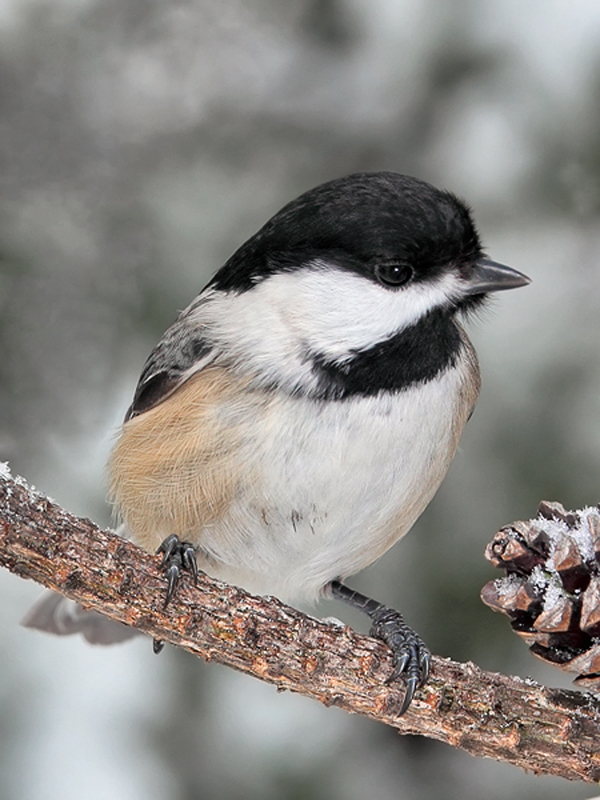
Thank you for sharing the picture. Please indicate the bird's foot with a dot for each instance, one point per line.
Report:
(412, 658)
(177, 556)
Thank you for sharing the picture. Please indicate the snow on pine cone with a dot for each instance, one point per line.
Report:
(551, 590)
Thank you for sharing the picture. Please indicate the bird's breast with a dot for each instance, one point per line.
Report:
(341, 481)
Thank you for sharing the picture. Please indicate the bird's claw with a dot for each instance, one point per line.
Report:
(157, 646)
(412, 659)
(177, 556)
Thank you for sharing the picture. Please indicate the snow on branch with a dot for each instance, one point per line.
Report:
(547, 731)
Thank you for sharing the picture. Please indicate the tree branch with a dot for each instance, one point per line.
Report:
(542, 730)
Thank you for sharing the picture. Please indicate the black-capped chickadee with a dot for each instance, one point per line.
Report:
(300, 414)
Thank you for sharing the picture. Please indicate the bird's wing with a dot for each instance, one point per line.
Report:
(182, 352)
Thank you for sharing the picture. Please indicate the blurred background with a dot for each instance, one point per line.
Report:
(141, 141)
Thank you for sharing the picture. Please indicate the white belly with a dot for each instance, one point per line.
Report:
(337, 483)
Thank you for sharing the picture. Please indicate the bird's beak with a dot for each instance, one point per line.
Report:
(489, 276)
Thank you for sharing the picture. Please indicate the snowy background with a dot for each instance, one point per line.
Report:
(141, 141)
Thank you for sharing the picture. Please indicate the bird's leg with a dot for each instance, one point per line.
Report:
(177, 556)
(412, 659)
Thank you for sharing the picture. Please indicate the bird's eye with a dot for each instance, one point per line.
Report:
(393, 274)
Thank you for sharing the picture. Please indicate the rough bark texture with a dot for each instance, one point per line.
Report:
(539, 729)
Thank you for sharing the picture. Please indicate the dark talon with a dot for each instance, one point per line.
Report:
(173, 572)
(189, 560)
(177, 556)
(411, 685)
(157, 645)
(168, 547)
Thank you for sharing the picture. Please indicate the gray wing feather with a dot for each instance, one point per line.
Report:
(181, 352)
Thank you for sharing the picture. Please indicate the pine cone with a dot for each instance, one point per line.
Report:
(551, 591)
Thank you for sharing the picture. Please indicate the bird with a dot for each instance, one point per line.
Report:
(299, 415)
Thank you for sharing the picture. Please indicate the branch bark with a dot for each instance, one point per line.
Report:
(547, 731)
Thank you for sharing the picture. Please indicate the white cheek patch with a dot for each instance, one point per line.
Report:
(338, 312)
(317, 309)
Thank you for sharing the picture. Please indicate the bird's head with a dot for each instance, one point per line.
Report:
(356, 260)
